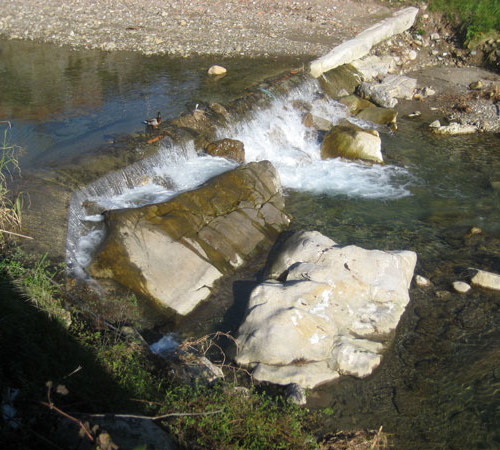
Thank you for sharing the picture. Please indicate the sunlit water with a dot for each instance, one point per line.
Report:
(438, 384)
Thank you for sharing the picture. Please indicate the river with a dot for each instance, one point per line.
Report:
(438, 385)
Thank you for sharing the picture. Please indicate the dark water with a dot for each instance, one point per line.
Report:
(439, 383)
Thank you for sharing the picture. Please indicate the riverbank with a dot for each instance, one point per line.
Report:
(226, 28)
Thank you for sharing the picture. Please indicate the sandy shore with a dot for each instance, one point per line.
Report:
(187, 27)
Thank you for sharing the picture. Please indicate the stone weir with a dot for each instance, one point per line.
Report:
(54, 190)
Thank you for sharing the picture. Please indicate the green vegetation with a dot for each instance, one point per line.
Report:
(45, 337)
(476, 18)
(10, 210)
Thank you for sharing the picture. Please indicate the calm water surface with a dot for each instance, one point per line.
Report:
(439, 383)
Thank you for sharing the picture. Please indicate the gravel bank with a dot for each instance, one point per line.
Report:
(188, 27)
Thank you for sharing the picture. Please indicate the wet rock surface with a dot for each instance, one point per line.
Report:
(352, 142)
(211, 231)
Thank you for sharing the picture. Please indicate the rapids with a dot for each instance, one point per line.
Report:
(276, 134)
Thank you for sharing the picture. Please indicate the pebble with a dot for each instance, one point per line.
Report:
(217, 70)
(422, 281)
(461, 287)
(412, 55)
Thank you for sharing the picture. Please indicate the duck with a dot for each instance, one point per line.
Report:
(154, 122)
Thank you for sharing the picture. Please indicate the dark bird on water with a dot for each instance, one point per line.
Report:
(155, 122)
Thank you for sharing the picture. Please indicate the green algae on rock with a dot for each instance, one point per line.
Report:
(173, 252)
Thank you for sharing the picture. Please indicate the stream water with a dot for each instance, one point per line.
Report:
(438, 385)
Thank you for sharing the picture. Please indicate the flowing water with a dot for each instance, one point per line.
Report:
(438, 385)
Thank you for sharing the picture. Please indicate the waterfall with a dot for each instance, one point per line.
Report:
(276, 134)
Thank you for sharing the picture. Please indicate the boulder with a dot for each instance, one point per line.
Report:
(355, 103)
(374, 66)
(389, 90)
(227, 148)
(453, 128)
(487, 280)
(361, 45)
(352, 142)
(379, 115)
(329, 314)
(318, 123)
(339, 81)
(173, 252)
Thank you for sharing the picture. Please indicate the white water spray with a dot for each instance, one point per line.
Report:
(275, 134)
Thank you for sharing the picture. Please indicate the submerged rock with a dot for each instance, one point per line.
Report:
(173, 252)
(352, 142)
(328, 315)
(487, 280)
(378, 115)
(453, 128)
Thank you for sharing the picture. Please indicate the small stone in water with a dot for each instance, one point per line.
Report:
(461, 287)
(414, 114)
(217, 70)
(435, 124)
(422, 281)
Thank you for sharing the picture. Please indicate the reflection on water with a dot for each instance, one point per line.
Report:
(62, 102)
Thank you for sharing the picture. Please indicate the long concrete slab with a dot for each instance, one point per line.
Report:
(361, 45)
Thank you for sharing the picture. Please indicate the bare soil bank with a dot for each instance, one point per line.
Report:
(186, 27)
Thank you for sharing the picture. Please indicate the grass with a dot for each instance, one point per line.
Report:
(10, 210)
(475, 18)
(106, 372)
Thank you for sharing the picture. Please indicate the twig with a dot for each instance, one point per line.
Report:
(79, 422)
(16, 234)
(51, 406)
(164, 416)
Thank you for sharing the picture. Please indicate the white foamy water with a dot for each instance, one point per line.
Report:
(275, 134)
(279, 136)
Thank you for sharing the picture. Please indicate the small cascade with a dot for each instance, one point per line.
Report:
(276, 134)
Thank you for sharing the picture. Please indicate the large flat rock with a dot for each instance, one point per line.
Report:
(329, 313)
(173, 252)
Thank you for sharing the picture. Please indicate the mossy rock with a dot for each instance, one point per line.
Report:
(352, 142)
(379, 115)
(338, 81)
(355, 103)
(173, 252)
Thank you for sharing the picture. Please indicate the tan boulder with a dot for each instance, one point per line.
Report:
(173, 252)
(340, 80)
(355, 103)
(227, 148)
(379, 115)
(217, 70)
(352, 142)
